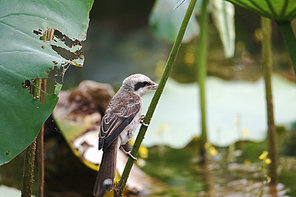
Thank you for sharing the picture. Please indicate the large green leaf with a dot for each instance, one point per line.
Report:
(165, 20)
(223, 15)
(283, 11)
(30, 51)
(280, 10)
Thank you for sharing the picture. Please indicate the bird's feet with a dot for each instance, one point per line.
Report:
(142, 121)
(128, 153)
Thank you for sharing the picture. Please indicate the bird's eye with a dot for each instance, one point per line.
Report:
(145, 83)
(141, 85)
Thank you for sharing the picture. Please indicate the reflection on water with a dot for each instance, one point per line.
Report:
(206, 174)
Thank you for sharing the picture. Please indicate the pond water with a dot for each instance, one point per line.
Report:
(235, 170)
(229, 172)
(235, 111)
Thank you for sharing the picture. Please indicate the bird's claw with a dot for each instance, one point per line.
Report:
(142, 121)
(131, 156)
(128, 153)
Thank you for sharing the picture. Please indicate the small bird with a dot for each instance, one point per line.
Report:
(118, 125)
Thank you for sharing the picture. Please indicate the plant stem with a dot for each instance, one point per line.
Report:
(290, 41)
(207, 179)
(40, 160)
(120, 186)
(267, 70)
(30, 152)
(201, 74)
(28, 170)
(40, 146)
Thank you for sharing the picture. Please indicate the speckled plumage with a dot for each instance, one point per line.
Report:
(118, 126)
(120, 119)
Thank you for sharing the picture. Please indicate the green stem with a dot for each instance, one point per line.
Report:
(290, 41)
(201, 73)
(120, 186)
(267, 70)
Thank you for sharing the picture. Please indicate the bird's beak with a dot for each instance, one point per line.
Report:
(153, 86)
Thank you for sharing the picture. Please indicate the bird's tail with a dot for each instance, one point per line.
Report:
(107, 171)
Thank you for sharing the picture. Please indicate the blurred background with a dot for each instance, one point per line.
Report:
(121, 42)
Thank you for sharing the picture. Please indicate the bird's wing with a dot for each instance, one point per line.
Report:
(114, 122)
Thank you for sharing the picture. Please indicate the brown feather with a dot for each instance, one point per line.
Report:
(107, 171)
(123, 108)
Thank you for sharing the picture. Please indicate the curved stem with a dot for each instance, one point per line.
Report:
(290, 41)
(120, 186)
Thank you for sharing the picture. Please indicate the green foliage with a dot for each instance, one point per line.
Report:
(165, 21)
(223, 15)
(283, 11)
(290, 41)
(39, 40)
(280, 10)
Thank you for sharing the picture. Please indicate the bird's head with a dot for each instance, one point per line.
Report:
(139, 84)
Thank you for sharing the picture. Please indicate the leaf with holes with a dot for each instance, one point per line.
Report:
(39, 41)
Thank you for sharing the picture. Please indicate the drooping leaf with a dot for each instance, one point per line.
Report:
(39, 40)
(279, 10)
(283, 11)
(223, 15)
(165, 20)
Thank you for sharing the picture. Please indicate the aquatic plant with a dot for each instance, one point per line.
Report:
(282, 11)
(267, 71)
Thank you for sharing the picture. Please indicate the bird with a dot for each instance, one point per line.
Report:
(118, 126)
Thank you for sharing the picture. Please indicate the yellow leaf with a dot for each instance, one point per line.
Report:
(268, 161)
(263, 155)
